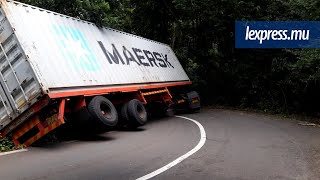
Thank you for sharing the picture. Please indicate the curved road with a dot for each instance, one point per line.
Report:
(239, 146)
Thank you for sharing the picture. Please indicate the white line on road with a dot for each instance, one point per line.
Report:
(12, 152)
(183, 157)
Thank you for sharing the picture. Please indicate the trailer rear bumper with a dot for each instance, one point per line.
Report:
(39, 125)
(25, 116)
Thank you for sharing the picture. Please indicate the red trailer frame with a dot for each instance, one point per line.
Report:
(49, 112)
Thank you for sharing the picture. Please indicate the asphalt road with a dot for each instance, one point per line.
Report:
(239, 146)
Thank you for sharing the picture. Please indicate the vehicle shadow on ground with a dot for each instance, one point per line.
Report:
(67, 134)
(65, 138)
(125, 129)
(71, 142)
(94, 138)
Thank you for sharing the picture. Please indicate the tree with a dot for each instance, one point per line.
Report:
(96, 11)
(201, 33)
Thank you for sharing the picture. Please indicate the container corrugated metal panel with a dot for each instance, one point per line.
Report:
(54, 52)
(68, 54)
(19, 84)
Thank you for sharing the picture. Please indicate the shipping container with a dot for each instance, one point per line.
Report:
(47, 54)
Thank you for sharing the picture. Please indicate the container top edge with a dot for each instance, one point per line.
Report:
(84, 21)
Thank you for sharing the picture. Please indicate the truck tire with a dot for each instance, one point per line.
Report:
(137, 113)
(124, 112)
(194, 101)
(103, 111)
(169, 112)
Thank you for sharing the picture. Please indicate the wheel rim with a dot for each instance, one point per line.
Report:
(106, 111)
(141, 112)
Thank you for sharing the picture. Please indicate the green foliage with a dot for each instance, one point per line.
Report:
(202, 34)
(96, 11)
(6, 145)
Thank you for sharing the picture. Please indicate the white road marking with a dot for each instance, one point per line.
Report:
(183, 157)
(12, 152)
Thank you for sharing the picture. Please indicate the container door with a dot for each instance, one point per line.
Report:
(6, 110)
(18, 83)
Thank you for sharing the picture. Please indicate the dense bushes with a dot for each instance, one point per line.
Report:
(202, 34)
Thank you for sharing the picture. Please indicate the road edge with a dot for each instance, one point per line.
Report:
(13, 152)
(203, 138)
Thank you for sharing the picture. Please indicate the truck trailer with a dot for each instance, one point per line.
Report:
(52, 65)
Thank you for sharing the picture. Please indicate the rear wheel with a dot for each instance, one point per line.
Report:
(124, 112)
(136, 113)
(103, 111)
(194, 101)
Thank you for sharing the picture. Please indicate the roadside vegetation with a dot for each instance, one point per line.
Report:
(201, 32)
(6, 145)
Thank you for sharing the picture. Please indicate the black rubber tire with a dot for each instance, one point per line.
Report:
(102, 110)
(169, 112)
(124, 112)
(137, 113)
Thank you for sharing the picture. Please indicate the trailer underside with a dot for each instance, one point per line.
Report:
(49, 112)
